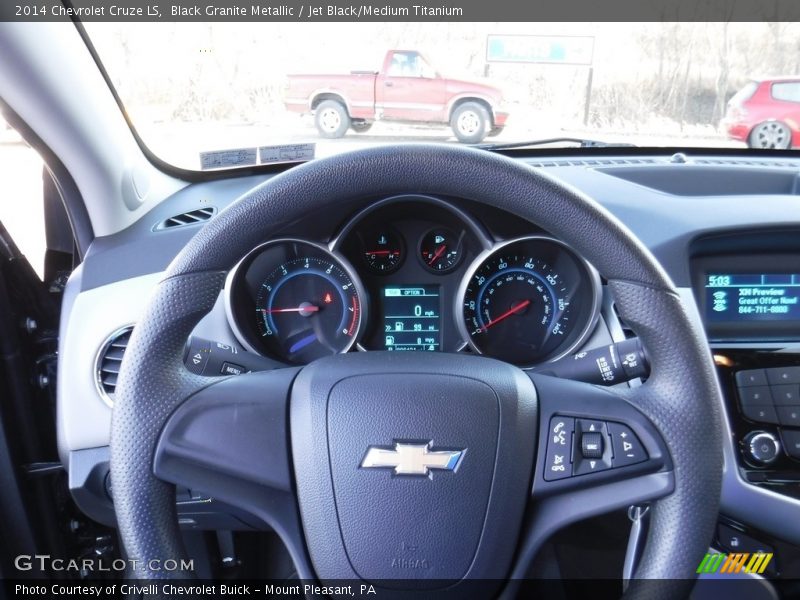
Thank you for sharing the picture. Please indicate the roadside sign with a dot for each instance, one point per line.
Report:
(549, 49)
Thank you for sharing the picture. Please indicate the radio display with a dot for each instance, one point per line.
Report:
(752, 297)
(411, 318)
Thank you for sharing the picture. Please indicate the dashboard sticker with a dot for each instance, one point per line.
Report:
(286, 153)
(224, 159)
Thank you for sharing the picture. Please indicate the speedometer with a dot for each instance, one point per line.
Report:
(529, 300)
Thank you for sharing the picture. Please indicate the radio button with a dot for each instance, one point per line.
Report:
(751, 377)
(791, 442)
(785, 395)
(789, 416)
(760, 414)
(758, 395)
(781, 375)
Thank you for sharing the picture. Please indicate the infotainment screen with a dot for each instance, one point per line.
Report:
(411, 318)
(752, 297)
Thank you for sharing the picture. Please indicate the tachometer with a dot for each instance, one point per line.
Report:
(529, 300)
(303, 302)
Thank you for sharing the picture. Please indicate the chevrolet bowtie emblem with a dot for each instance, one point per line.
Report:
(411, 459)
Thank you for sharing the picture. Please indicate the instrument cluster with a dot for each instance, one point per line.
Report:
(414, 274)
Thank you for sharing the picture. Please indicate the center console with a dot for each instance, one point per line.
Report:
(750, 305)
(748, 296)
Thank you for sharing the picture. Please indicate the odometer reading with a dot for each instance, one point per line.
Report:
(527, 301)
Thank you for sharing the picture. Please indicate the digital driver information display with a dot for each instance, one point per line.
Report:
(411, 318)
(743, 297)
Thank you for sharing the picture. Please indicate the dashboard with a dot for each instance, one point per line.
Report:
(413, 273)
(438, 274)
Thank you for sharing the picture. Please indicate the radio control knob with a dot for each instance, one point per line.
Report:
(761, 448)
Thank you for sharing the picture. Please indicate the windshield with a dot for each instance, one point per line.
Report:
(220, 95)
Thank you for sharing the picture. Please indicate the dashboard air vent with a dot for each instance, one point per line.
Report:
(108, 361)
(741, 162)
(592, 162)
(187, 218)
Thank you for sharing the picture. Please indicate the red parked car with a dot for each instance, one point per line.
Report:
(765, 113)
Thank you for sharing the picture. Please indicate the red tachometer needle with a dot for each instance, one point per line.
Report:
(306, 309)
(437, 254)
(511, 311)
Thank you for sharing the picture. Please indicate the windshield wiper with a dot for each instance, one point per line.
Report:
(581, 142)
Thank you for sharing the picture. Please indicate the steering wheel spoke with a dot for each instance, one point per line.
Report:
(230, 439)
(591, 435)
(596, 453)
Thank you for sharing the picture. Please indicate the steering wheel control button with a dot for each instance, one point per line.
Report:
(597, 433)
(760, 414)
(786, 395)
(759, 395)
(783, 375)
(761, 448)
(559, 445)
(628, 450)
(751, 377)
(791, 442)
(592, 444)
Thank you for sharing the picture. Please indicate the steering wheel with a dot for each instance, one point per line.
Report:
(288, 445)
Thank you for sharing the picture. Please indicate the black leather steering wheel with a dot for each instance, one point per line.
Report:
(286, 445)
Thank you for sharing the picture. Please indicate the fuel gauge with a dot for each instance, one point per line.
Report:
(440, 250)
(382, 250)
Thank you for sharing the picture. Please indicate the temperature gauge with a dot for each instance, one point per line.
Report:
(382, 250)
(440, 250)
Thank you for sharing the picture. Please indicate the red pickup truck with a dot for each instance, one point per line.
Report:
(407, 89)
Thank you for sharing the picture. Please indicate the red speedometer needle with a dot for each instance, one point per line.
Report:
(437, 254)
(511, 311)
(307, 308)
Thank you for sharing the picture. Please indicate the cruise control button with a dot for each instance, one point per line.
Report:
(781, 375)
(788, 416)
(628, 450)
(751, 377)
(791, 442)
(759, 395)
(559, 443)
(785, 395)
(760, 414)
